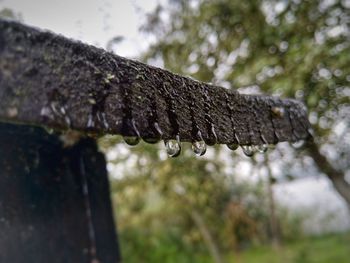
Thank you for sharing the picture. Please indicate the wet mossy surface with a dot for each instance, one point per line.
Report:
(47, 79)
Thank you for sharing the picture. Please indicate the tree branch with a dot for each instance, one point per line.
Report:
(336, 176)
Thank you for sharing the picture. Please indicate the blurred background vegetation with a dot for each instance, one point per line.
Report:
(222, 207)
(191, 209)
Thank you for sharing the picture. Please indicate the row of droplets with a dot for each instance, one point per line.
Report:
(173, 146)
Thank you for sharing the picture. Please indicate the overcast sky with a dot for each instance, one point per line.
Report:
(92, 21)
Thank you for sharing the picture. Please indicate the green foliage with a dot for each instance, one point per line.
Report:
(156, 197)
(323, 249)
(289, 48)
(9, 14)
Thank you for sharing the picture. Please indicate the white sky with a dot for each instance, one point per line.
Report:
(92, 21)
(96, 22)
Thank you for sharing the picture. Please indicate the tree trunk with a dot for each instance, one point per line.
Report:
(208, 239)
(336, 176)
(275, 235)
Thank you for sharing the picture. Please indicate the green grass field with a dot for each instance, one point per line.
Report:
(333, 248)
(323, 249)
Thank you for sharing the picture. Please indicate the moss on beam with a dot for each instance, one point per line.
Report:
(49, 80)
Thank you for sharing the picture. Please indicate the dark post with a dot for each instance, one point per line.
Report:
(54, 201)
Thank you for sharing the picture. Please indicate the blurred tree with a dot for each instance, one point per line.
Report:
(290, 48)
(8, 13)
(196, 202)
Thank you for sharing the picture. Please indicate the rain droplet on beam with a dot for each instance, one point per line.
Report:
(232, 146)
(91, 122)
(248, 150)
(212, 141)
(157, 139)
(199, 148)
(131, 140)
(151, 140)
(298, 144)
(262, 148)
(278, 112)
(173, 147)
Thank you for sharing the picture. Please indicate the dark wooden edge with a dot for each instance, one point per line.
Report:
(49, 80)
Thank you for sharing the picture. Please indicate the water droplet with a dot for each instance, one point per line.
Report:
(272, 146)
(151, 140)
(237, 139)
(12, 112)
(101, 117)
(53, 106)
(232, 146)
(214, 140)
(311, 132)
(157, 139)
(278, 111)
(262, 148)
(158, 129)
(91, 122)
(264, 139)
(131, 140)
(135, 128)
(92, 101)
(173, 147)
(63, 110)
(298, 144)
(248, 150)
(199, 148)
(49, 130)
(67, 120)
(46, 112)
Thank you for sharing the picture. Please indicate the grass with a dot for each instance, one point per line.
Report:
(166, 248)
(323, 249)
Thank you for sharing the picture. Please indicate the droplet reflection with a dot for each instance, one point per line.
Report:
(232, 146)
(173, 148)
(131, 140)
(262, 148)
(298, 144)
(199, 148)
(248, 150)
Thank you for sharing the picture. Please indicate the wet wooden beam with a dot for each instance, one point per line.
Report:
(47, 79)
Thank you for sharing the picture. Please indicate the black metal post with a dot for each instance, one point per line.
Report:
(54, 201)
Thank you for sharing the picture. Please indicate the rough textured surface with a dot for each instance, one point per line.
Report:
(46, 79)
(54, 201)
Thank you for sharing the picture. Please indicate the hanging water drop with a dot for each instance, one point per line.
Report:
(278, 112)
(298, 144)
(67, 121)
(131, 140)
(199, 148)
(212, 141)
(63, 110)
(49, 130)
(151, 140)
(173, 147)
(262, 148)
(158, 129)
(248, 150)
(90, 123)
(155, 139)
(232, 146)
(104, 120)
